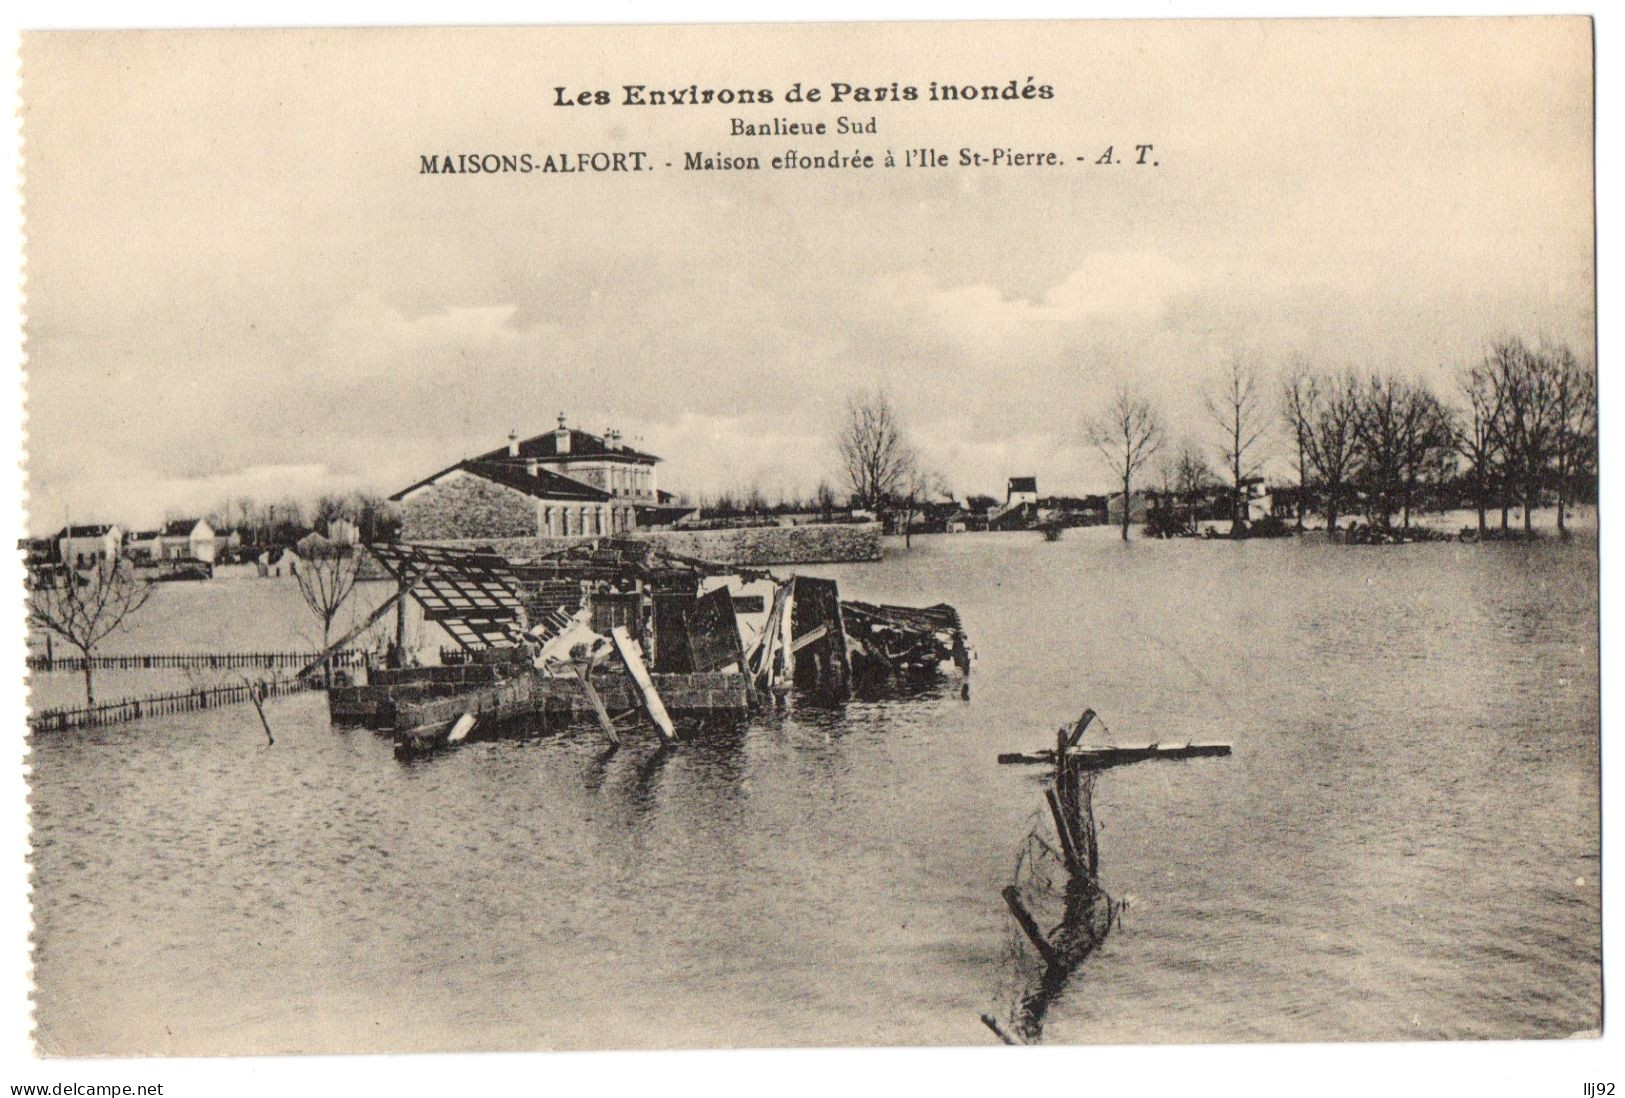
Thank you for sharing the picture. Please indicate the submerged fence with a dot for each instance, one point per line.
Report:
(220, 661)
(158, 705)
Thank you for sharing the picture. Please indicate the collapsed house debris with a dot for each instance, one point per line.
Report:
(621, 632)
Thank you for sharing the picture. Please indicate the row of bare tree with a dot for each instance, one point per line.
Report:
(1381, 444)
(1524, 429)
(285, 521)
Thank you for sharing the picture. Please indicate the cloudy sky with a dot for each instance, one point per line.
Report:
(239, 283)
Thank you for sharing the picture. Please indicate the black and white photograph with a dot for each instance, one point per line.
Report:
(821, 535)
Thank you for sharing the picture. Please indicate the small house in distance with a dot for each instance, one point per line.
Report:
(177, 539)
(278, 561)
(1140, 504)
(563, 483)
(86, 546)
(1256, 499)
(1020, 508)
(1021, 490)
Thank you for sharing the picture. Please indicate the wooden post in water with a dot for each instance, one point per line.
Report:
(1029, 926)
(400, 623)
(1064, 828)
(604, 721)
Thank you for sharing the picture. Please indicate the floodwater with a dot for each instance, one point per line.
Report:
(1403, 845)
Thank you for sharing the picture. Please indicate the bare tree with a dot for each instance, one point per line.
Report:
(327, 575)
(918, 485)
(1236, 405)
(1330, 438)
(1185, 477)
(1575, 410)
(1401, 432)
(1478, 436)
(824, 497)
(1528, 426)
(874, 452)
(1299, 395)
(1192, 478)
(85, 608)
(1127, 434)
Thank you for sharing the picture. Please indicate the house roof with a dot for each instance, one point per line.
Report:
(146, 535)
(583, 446)
(1023, 484)
(545, 484)
(178, 528)
(95, 531)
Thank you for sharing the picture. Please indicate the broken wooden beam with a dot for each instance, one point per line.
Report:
(1098, 758)
(1029, 926)
(998, 1031)
(1069, 841)
(811, 637)
(597, 703)
(632, 658)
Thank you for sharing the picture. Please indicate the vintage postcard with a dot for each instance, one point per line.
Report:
(811, 535)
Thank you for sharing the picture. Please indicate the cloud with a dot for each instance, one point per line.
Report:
(1108, 289)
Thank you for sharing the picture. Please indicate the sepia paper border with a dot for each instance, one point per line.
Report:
(1472, 1068)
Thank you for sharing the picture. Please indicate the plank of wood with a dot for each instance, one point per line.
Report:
(1029, 926)
(1094, 758)
(587, 688)
(633, 660)
(460, 730)
(786, 661)
(812, 637)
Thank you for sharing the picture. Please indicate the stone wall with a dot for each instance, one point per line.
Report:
(467, 507)
(811, 544)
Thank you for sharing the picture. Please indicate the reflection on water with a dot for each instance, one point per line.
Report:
(1404, 844)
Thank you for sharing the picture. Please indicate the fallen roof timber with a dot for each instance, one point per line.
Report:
(1099, 758)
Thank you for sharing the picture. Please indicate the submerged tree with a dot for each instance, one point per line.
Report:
(1127, 434)
(85, 608)
(1528, 427)
(1401, 433)
(1299, 393)
(1235, 403)
(1186, 477)
(874, 452)
(1477, 436)
(1330, 436)
(327, 576)
(1575, 411)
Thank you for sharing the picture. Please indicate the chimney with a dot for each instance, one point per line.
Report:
(561, 437)
(513, 444)
(533, 467)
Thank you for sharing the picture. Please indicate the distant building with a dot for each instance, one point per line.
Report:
(564, 483)
(1256, 502)
(1139, 505)
(1072, 510)
(281, 561)
(85, 546)
(142, 544)
(1022, 515)
(341, 531)
(1021, 490)
(184, 539)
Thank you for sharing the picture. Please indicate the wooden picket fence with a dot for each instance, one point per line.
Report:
(158, 705)
(219, 661)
